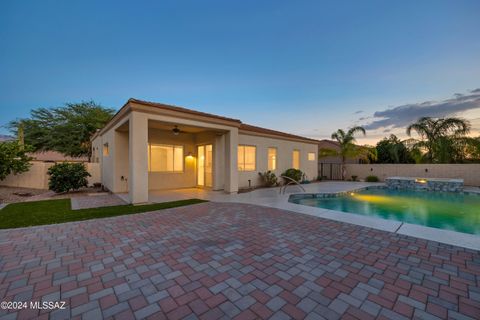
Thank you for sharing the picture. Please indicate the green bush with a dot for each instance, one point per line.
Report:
(13, 158)
(269, 178)
(371, 179)
(294, 174)
(67, 176)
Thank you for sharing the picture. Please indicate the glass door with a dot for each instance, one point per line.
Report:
(205, 165)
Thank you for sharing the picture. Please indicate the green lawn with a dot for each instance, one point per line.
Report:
(26, 214)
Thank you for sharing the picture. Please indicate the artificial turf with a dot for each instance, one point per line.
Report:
(26, 214)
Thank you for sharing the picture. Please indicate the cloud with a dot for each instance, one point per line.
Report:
(358, 112)
(402, 116)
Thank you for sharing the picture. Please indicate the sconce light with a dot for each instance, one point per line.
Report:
(189, 155)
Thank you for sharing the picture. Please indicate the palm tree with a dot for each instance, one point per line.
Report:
(348, 149)
(438, 135)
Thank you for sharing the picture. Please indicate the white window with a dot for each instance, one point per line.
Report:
(311, 156)
(165, 158)
(106, 150)
(296, 159)
(247, 158)
(272, 159)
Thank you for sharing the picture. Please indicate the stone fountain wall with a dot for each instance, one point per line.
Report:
(445, 185)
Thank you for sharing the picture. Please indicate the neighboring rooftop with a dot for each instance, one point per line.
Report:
(54, 156)
(6, 138)
(248, 127)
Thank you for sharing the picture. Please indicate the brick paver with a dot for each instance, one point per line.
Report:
(214, 260)
(95, 201)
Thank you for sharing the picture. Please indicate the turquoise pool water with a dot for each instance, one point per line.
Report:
(451, 211)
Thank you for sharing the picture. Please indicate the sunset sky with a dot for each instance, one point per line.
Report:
(305, 67)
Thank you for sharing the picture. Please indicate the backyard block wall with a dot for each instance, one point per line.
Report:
(470, 173)
(37, 177)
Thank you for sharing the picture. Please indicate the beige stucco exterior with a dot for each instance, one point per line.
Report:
(138, 124)
(284, 157)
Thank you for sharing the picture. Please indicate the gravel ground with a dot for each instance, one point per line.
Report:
(7, 194)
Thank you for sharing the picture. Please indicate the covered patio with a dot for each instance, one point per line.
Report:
(147, 150)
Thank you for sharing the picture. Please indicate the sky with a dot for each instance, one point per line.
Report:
(304, 67)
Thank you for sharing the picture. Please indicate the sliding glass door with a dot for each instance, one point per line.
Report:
(205, 165)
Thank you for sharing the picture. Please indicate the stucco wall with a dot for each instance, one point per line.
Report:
(470, 173)
(37, 177)
(284, 158)
(166, 180)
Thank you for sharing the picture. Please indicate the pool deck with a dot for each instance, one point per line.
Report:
(233, 261)
(270, 197)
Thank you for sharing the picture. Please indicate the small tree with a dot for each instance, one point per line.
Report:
(64, 129)
(67, 176)
(13, 158)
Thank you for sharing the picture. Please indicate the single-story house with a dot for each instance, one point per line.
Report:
(150, 146)
(334, 145)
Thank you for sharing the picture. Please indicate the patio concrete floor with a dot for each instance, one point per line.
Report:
(232, 260)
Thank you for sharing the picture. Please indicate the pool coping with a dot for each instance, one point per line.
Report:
(450, 237)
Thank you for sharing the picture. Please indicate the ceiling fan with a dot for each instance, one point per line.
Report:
(176, 131)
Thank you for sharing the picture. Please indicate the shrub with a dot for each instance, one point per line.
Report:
(354, 178)
(67, 176)
(371, 179)
(294, 174)
(269, 178)
(13, 158)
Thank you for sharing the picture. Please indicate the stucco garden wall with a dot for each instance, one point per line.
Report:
(37, 177)
(470, 173)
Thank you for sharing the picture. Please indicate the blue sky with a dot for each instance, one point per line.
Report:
(306, 67)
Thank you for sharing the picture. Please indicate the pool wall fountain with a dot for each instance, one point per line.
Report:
(427, 184)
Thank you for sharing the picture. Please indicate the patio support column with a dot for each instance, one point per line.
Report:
(231, 170)
(138, 158)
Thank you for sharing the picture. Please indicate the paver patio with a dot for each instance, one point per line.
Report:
(226, 260)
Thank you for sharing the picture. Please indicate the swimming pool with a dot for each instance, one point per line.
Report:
(451, 211)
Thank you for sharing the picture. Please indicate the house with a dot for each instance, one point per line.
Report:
(5, 138)
(152, 146)
(334, 145)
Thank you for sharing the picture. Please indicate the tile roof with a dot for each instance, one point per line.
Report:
(180, 109)
(242, 126)
(247, 127)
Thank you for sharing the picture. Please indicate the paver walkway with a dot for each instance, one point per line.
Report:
(224, 260)
(96, 201)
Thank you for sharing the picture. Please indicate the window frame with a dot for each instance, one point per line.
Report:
(173, 146)
(238, 160)
(106, 150)
(275, 160)
(293, 159)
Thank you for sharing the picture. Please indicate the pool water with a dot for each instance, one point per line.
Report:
(451, 211)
